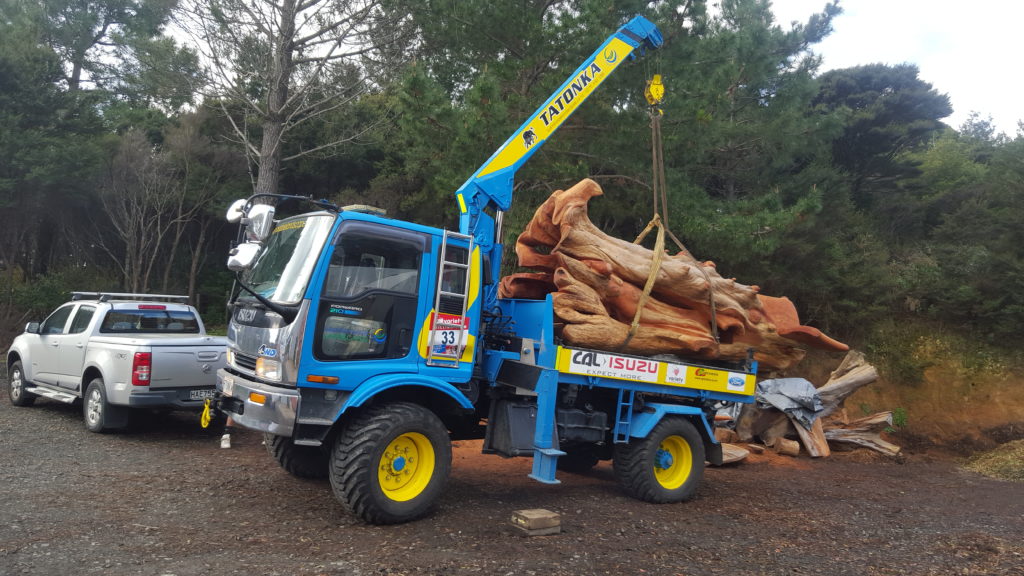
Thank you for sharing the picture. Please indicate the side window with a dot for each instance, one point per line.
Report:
(370, 295)
(366, 260)
(54, 324)
(82, 319)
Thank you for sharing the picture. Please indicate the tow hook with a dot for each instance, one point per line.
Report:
(208, 413)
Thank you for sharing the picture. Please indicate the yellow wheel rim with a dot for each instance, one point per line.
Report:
(673, 462)
(406, 467)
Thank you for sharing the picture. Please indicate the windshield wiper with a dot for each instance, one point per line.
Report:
(287, 312)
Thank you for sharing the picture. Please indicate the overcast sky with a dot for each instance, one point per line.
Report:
(969, 50)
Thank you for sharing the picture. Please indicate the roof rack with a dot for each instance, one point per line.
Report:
(107, 296)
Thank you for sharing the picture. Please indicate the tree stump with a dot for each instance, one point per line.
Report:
(597, 285)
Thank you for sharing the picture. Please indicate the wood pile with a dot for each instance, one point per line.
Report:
(686, 308)
(833, 427)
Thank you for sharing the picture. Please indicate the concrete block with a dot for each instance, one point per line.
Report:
(537, 521)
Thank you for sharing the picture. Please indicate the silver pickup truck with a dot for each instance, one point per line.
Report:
(115, 352)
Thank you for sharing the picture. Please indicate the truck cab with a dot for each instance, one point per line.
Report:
(344, 311)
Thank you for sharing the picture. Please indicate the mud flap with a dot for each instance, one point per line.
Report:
(713, 453)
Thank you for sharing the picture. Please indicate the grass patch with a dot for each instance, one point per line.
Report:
(1005, 462)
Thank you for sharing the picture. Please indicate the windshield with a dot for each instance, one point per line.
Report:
(286, 263)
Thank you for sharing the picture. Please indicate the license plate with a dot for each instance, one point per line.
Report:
(200, 394)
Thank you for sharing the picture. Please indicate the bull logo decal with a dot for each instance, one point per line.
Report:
(529, 137)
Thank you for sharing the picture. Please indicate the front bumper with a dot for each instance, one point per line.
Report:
(241, 400)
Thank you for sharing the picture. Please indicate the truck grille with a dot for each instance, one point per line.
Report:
(246, 362)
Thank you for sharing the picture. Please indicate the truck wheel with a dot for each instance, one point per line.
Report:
(99, 415)
(301, 461)
(578, 460)
(391, 463)
(666, 466)
(16, 387)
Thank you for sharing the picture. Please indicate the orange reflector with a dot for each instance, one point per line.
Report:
(322, 379)
(257, 398)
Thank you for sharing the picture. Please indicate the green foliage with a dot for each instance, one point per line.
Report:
(888, 110)
(902, 351)
(969, 265)
(899, 417)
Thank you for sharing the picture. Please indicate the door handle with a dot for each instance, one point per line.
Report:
(55, 344)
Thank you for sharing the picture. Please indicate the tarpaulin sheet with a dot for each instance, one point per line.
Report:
(795, 396)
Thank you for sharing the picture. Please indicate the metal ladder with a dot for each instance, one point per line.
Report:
(440, 326)
(623, 416)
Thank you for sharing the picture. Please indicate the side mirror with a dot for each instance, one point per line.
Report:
(32, 328)
(236, 211)
(261, 221)
(243, 256)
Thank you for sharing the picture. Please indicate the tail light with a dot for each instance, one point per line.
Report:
(141, 367)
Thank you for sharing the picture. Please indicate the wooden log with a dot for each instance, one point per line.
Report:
(732, 453)
(588, 324)
(872, 423)
(531, 285)
(814, 440)
(853, 373)
(688, 297)
(726, 435)
(781, 428)
(786, 446)
(749, 414)
(866, 439)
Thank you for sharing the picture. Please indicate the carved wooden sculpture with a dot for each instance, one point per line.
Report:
(597, 283)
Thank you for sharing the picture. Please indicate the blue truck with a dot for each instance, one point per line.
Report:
(363, 345)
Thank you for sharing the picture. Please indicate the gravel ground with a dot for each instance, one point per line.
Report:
(162, 498)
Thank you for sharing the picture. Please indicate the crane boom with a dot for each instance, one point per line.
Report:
(490, 187)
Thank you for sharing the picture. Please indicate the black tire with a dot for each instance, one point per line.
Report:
(391, 463)
(578, 460)
(16, 386)
(666, 466)
(300, 461)
(98, 414)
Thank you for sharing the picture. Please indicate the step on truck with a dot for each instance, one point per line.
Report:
(362, 346)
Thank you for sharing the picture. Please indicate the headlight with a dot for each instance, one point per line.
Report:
(230, 357)
(268, 369)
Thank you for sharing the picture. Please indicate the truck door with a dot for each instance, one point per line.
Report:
(369, 302)
(46, 356)
(72, 348)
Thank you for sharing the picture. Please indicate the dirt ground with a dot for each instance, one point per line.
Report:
(163, 499)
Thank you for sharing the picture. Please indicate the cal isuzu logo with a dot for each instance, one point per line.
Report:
(612, 366)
